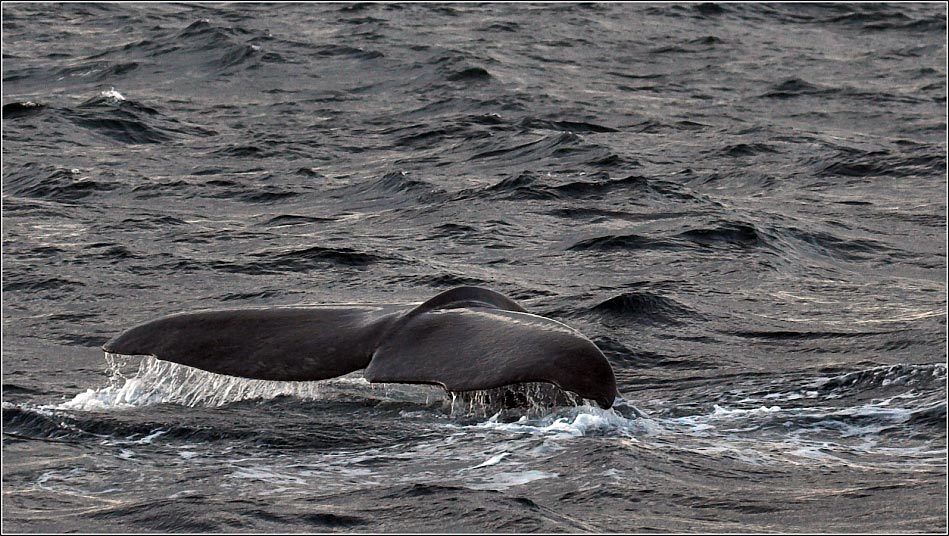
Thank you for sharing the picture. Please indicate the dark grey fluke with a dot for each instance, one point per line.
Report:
(463, 339)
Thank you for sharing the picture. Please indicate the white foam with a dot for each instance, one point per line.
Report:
(503, 481)
(720, 412)
(877, 415)
(152, 436)
(493, 460)
(114, 95)
(775, 435)
(578, 421)
(757, 435)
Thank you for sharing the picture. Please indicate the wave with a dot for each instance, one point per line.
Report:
(207, 48)
(59, 425)
(302, 259)
(786, 242)
(793, 241)
(398, 183)
(441, 280)
(725, 234)
(748, 149)
(643, 307)
(552, 146)
(54, 184)
(112, 116)
(167, 515)
(523, 186)
(284, 220)
(873, 18)
(601, 186)
(730, 233)
(884, 164)
(98, 71)
(421, 136)
(255, 191)
(564, 125)
(347, 52)
(796, 87)
(39, 283)
(885, 376)
(596, 186)
(17, 110)
(621, 242)
(470, 75)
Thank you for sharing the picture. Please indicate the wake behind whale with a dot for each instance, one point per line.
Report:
(464, 339)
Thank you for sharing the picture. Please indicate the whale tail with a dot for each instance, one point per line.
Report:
(463, 339)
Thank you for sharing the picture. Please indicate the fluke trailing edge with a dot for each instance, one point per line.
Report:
(463, 339)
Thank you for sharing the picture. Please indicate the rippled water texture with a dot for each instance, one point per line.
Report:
(743, 205)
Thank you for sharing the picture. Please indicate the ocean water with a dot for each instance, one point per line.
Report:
(743, 205)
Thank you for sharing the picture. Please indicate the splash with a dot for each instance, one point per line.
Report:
(158, 382)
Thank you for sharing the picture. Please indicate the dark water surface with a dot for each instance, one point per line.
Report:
(743, 205)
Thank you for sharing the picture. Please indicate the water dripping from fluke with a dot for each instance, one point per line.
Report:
(158, 382)
(163, 382)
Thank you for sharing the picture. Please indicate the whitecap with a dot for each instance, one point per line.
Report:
(493, 460)
(503, 481)
(113, 95)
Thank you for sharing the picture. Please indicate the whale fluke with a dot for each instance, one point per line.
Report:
(464, 339)
(478, 348)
